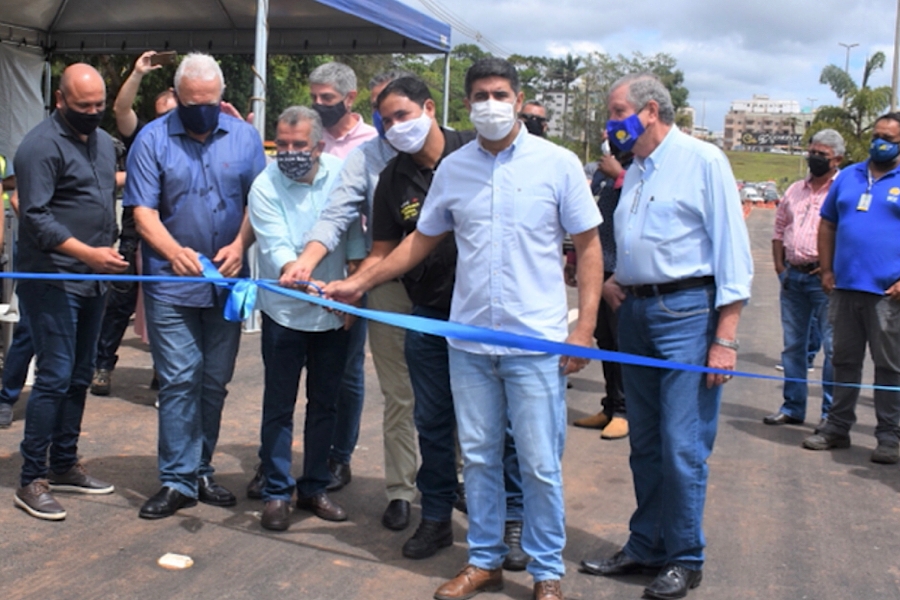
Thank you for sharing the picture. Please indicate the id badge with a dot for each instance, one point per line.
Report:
(864, 201)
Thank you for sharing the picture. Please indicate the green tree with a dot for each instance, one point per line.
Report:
(861, 105)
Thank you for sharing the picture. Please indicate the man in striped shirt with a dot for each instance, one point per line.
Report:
(803, 303)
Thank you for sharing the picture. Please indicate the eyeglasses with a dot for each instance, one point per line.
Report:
(537, 118)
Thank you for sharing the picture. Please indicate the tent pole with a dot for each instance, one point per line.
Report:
(47, 98)
(259, 81)
(254, 323)
(446, 88)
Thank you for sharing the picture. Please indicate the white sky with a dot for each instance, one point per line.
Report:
(727, 49)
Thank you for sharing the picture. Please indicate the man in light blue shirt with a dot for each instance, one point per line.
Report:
(682, 275)
(509, 198)
(285, 202)
(351, 200)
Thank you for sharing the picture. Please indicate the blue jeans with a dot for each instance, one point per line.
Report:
(64, 331)
(18, 357)
(352, 395)
(285, 352)
(803, 306)
(672, 423)
(429, 374)
(528, 392)
(194, 351)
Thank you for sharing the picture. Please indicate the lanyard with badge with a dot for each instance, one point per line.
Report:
(865, 199)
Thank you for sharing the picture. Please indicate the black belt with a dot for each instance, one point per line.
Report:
(806, 268)
(658, 289)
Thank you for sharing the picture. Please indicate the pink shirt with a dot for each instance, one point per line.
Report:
(342, 146)
(797, 221)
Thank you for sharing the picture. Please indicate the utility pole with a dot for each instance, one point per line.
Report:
(587, 119)
(847, 66)
(896, 60)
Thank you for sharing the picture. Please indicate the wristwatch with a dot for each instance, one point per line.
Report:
(732, 344)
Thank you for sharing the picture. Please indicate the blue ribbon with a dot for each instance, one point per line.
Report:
(244, 291)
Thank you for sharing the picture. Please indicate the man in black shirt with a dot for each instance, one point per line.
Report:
(66, 172)
(408, 113)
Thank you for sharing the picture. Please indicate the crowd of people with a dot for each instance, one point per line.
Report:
(409, 217)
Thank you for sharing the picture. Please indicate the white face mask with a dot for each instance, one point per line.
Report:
(409, 136)
(493, 119)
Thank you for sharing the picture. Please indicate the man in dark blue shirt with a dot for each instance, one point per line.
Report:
(66, 172)
(188, 178)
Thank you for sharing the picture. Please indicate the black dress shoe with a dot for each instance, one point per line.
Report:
(780, 418)
(276, 515)
(322, 506)
(618, 564)
(430, 537)
(210, 492)
(673, 581)
(164, 504)
(516, 559)
(340, 475)
(396, 515)
(256, 485)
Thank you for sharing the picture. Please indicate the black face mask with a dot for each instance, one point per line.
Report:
(83, 123)
(330, 115)
(199, 118)
(535, 125)
(818, 165)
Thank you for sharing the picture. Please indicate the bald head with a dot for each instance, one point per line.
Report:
(81, 97)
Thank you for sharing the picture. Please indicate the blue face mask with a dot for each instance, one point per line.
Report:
(199, 118)
(883, 151)
(379, 125)
(625, 133)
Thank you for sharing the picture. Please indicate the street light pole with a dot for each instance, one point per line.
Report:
(847, 65)
(812, 101)
(896, 59)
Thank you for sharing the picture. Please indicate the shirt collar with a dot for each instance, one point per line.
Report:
(352, 132)
(519, 139)
(656, 159)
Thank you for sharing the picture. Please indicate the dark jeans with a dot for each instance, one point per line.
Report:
(120, 305)
(607, 335)
(64, 330)
(352, 395)
(429, 373)
(858, 318)
(285, 352)
(18, 357)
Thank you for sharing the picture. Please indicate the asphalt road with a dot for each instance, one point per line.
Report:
(782, 523)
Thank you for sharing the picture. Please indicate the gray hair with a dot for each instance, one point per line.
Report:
(389, 76)
(202, 67)
(537, 103)
(293, 115)
(644, 87)
(830, 138)
(337, 75)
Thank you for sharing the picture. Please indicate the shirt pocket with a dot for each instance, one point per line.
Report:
(660, 219)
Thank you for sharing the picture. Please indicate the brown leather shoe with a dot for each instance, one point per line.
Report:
(617, 429)
(276, 515)
(470, 581)
(598, 421)
(322, 506)
(548, 590)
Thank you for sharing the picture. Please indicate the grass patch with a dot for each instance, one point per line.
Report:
(783, 169)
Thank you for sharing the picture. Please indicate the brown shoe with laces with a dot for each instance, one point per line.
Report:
(78, 480)
(36, 499)
(470, 581)
(598, 421)
(548, 590)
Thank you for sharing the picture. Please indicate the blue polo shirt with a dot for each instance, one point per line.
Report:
(867, 242)
(200, 190)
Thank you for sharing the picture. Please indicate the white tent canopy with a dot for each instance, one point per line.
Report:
(30, 28)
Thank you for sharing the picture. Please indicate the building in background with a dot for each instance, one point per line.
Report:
(765, 125)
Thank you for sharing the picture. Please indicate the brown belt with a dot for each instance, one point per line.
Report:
(659, 289)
